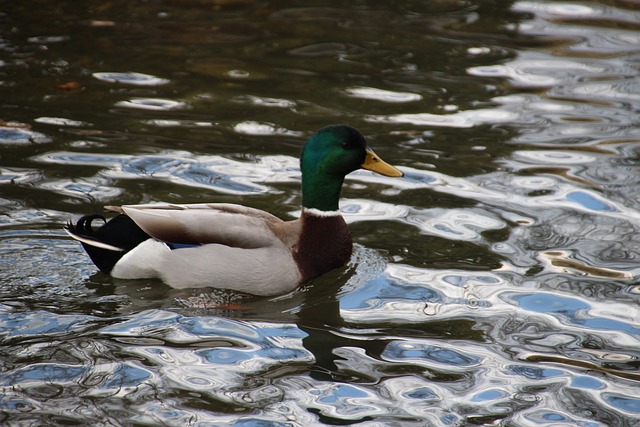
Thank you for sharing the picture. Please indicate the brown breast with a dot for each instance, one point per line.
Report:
(324, 244)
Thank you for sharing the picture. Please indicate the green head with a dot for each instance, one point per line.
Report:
(327, 157)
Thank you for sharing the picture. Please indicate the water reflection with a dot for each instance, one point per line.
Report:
(494, 284)
(18, 135)
(153, 104)
(382, 95)
(460, 119)
(137, 79)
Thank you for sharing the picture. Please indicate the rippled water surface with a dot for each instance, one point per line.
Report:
(496, 284)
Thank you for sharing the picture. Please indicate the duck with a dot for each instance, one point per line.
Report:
(235, 247)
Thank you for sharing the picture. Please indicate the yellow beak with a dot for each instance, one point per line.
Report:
(375, 164)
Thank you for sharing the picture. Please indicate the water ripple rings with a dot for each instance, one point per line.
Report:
(153, 104)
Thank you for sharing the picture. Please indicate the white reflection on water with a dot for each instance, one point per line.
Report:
(461, 119)
(130, 78)
(89, 188)
(18, 135)
(561, 9)
(458, 224)
(533, 72)
(240, 177)
(347, 401)
(265, 101)
(19, 175)
(177, 123)
(153, 104)
(256, 128)
(421, 331)
(214, 355)
(382, 95)
(215, 172)
(627, 91)
(411, 294)
(59, 121)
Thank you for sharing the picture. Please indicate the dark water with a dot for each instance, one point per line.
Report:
(496, 284)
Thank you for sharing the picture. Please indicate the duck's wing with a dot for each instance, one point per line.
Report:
(223, 223)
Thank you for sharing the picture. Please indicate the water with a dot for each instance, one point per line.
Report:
(496, 284)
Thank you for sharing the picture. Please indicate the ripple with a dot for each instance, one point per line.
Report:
(561, 9)
(59, 121)
(75, 158)
(215, 355)
(34, 379)
(624, 403)
(88, 189)
(424, 353)
(554, 157)
(581, 18)
(356, 210)
(263, 129)
(526, 154)
(319, 49)
(479, 50)
(39, 323)
(609, 43)
(177, 123)
(488, 395)
(238, 74)
(534, 182)
(136, 79)
(227, 69)
(623, 90)
(379, 295)
(563, 262)
(420, 398)
(404, 294)
(152, 104)
(214, 172)
(48, 39)
(515, 75)
(20, 215)
(588, 383)
(461, 119)
(376, 94)
(573, 311)
(550, 417)
(551, 106)
(592, 202)
(19, 175)
(455, 224)
(27, 285)
(550, 303)
(264, 101)
(589, 201)
(346, 401)
(536, 73)
(20, 136)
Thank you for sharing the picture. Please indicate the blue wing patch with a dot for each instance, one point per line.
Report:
(173, 246)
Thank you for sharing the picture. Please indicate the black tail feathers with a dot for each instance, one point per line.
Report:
(107, 244)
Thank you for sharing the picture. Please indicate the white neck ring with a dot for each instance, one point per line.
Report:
(318, 212)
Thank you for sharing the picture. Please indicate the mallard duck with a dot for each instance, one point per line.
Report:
(236, 247)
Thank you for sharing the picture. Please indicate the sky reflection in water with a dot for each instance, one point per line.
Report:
(494, 284)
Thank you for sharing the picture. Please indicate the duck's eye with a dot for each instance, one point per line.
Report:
(347, 145)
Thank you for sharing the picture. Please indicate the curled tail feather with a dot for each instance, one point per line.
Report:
(108, 243)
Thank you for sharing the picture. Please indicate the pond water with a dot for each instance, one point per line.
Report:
(495, 284)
